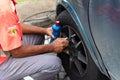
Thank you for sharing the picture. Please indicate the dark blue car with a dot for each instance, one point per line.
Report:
(93, 29)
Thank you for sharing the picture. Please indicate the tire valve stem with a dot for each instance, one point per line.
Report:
(71, 37)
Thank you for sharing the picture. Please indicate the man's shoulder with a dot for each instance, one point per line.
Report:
(6, 5)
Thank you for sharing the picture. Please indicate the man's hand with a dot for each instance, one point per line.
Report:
(59, 44)
(49, 32)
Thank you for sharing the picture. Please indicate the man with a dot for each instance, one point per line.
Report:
(18, 60)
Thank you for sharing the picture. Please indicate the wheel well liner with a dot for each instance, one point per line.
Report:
(59, 9)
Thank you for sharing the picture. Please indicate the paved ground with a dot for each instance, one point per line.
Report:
(31, 7)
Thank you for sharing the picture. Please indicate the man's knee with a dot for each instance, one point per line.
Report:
(50, 67)
(53, 64)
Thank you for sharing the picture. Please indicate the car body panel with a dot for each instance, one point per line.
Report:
(86, 17)
(105, 28)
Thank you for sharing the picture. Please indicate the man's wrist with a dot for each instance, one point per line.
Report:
(43, 30)
(49, 47)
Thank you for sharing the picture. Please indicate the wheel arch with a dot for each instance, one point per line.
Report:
(68, 7)
(64, 5)
(59, 9)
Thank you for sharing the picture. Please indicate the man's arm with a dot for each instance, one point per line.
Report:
(25, 51)
(36, 30)
(57, 46)
(32, 29)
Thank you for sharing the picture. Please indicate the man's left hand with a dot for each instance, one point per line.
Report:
(49, 32)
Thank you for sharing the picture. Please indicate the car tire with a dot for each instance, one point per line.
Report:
(84, 68)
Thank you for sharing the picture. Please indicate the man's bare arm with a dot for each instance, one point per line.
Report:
(25, 51)
(32, 29)
(36, 30)
(57, 46)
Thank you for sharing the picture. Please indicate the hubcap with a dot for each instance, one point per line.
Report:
(78, 58)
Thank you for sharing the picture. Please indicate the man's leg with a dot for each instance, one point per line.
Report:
(40, 67)
(33, 39)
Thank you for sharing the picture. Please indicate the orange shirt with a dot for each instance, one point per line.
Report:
(10, 30)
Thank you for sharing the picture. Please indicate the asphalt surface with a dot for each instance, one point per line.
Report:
(30, 7)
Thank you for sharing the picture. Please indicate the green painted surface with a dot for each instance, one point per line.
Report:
(20, 0)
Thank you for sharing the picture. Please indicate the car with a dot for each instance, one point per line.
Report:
(92, 28)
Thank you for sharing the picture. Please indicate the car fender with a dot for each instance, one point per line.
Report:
(94, 54)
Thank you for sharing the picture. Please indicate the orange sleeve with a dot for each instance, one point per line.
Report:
(10, 30)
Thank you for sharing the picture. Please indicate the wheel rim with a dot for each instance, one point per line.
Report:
(78, 58)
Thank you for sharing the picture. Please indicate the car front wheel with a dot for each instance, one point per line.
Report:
(75, 58)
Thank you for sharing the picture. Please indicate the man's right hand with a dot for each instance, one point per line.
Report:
(59, 44)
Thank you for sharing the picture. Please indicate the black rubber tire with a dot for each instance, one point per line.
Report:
(92, 72)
